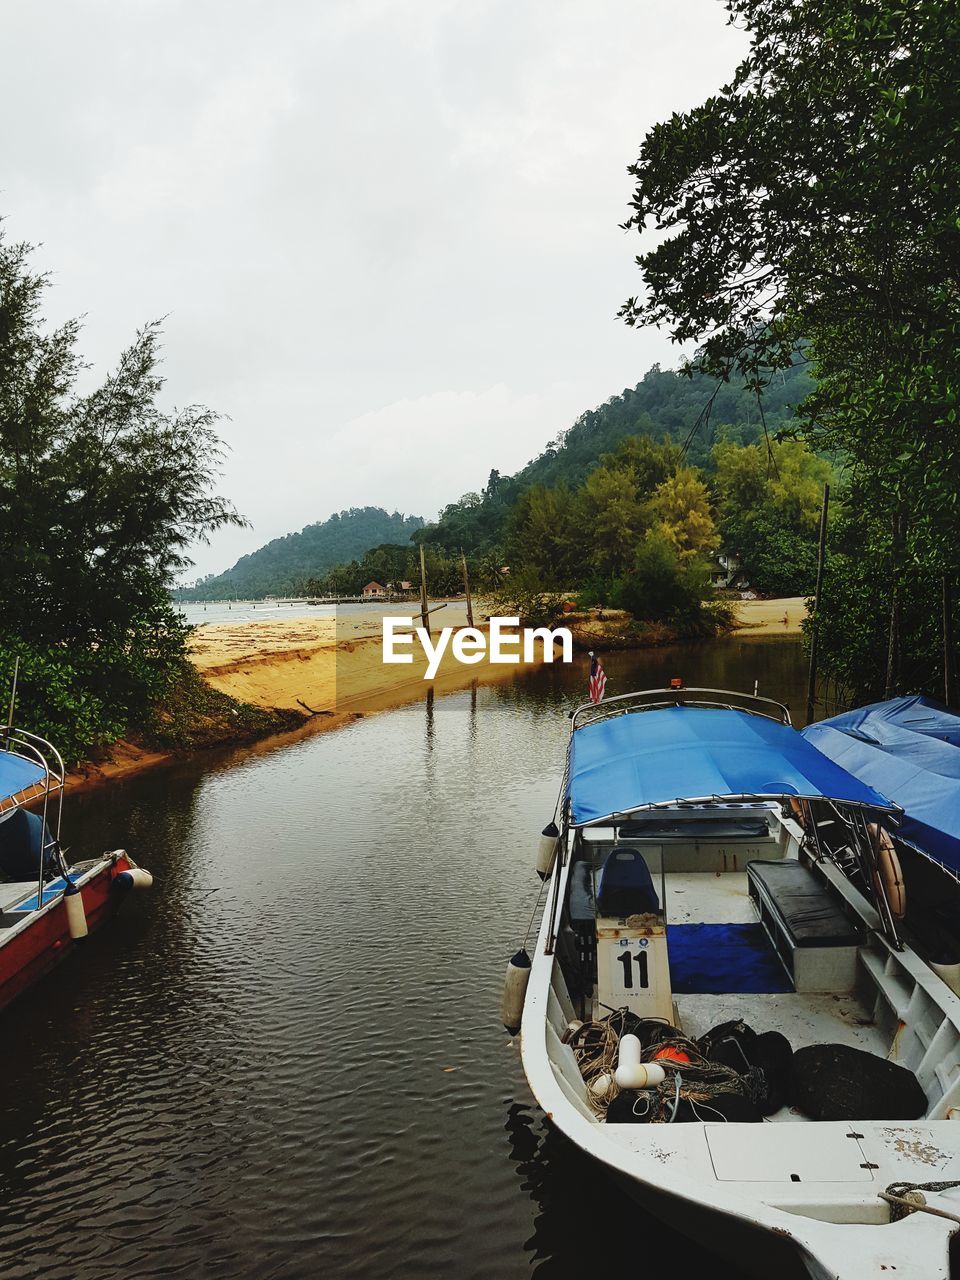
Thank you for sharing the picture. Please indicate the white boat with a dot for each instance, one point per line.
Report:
(712, 867)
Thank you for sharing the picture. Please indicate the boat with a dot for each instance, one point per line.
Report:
(909, 749)
(47, 907)
(720, 1010)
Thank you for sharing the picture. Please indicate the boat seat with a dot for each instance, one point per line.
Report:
(581, 904)
(807, 910)
(626, 885)
(814, 939)
(670, 828)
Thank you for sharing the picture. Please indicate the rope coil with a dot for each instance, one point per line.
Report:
(905, 1198)
(692, 1077)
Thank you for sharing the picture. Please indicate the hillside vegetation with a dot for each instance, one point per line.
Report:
(285, 564)
(631, 505)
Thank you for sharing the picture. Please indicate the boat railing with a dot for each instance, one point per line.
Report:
(654, 699)
(38, 751)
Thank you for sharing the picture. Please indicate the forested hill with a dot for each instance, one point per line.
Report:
(665, 404)
(285, 563)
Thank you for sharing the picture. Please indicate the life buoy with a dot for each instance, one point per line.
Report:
(796, 808)
(889, 872)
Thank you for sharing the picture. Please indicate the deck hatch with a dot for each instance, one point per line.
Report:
(786, 1153)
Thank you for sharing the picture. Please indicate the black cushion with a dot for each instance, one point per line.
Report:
(697, 828)
(837, 1082)
(582, 907)
(809, 913)
(626, 886)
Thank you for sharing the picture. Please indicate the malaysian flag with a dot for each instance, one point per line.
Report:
(598, 679)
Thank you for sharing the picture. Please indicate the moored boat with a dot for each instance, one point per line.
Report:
(720, 1009)
(46, 905)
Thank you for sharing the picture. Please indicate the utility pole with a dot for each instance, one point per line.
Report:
(814, 631)
(896, 572)
(466, 588)
(949, 677)
(424, 610)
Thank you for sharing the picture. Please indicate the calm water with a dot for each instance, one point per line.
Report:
(285, 1060)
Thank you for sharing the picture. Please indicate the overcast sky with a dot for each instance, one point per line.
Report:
(384, 232)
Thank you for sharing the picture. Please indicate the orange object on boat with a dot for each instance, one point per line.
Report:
(673, 1055)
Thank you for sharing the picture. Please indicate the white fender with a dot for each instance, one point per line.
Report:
(515, 991)
(134, 878)
(631, 1073)
(546, 849)
(76, 916)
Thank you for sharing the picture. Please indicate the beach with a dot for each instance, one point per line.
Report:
(766, 617)
(335, 666)
(330, 666)
(330, 669)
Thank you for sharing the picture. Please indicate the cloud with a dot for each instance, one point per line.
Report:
(382, 231)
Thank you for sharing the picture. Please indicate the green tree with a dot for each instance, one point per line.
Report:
(811, 207)
(609, 520)
(541, 535)
(680, 510)
(100, 497)
(663, 587)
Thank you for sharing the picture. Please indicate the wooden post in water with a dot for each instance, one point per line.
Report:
(949, 677)
(424, 610)
(466, 588)
(821, 556)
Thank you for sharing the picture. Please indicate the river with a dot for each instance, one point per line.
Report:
(285, 1061)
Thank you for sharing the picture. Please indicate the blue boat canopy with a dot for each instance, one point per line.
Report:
(18, 774)
(917, 713)
(908, 748)
(651, 758)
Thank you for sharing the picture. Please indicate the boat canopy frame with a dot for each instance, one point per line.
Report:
(656, 699)
(860, 817)
(33, 749)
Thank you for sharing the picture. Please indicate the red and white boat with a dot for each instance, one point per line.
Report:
(46, 906)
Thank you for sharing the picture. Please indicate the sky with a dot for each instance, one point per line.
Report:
(384, 234)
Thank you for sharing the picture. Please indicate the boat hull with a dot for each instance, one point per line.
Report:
(755, 1251)
(30, 950)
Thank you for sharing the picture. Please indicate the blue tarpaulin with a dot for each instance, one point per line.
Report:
(917, 713)
(17, 774)
(656, 757)
(906, 748)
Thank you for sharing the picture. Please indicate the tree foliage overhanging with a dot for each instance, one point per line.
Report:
(101, 494)
(814, 205)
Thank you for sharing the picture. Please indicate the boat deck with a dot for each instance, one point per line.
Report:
(714, 897)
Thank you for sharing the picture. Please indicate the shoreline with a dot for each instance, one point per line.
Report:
(330, 672)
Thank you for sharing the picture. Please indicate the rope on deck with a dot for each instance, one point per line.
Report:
(905, 1198)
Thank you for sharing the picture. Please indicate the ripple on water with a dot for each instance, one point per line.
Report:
(285, 1060)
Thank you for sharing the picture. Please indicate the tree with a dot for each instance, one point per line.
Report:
(811, 208)
(768, 508)
(662, 586)
(680, 509)
(609, 520)
(541, 534)
(101, 496)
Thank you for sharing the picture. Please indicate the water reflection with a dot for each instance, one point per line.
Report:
(285, 1060)
(585, 1221)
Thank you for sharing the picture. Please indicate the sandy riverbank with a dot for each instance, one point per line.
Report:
(330, 666)
(770, 617)
(335, 668)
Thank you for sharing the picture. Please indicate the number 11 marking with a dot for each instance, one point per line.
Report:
(626, 959)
